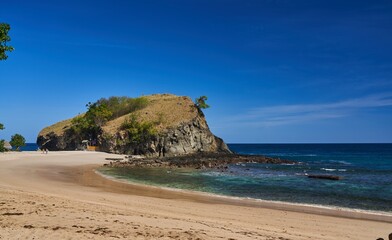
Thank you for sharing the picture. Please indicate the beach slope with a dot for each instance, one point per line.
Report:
(59, 196)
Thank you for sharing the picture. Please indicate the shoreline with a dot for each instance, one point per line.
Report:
(59, 196)
(325, 210)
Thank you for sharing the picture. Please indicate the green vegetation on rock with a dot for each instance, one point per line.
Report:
(98, 114)
(17, 141)
(89, 125)
(137, 131)
(201, 102)
(4, 38)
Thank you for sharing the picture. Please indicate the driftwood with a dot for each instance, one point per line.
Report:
(327, 177)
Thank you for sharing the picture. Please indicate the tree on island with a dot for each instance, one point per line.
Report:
(1, 126)
(4, 38)
(98, 114)
(17, 141)
(201, 102)
(89, 125)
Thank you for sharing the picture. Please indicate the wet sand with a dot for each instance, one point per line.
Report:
(60, 196)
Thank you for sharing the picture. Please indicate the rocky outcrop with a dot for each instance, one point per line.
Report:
(182, 130)
(187, 138)
(197, 161)
(327, 177)
(58, 137)
(59, 142)
(7, 145)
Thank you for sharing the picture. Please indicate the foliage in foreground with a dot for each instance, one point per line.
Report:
(4, 38)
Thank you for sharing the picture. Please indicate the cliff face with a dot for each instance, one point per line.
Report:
(180, 129)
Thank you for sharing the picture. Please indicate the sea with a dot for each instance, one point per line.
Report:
(366, 171)
(29, 147)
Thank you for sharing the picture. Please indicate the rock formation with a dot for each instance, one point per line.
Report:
(7, 146)
(181, 129)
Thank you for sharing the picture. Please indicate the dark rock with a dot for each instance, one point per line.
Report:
(200, 161)
(114, 159)
(63, 142)
(327, 177)
(12, 214)
(182, 140)
(187, 138)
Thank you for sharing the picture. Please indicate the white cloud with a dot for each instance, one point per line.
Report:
(299, 113)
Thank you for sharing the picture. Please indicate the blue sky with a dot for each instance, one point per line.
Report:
(274, 71)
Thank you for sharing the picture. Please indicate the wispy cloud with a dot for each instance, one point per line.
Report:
(299, 113)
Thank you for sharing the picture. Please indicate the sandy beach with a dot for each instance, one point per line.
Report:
(59, 196)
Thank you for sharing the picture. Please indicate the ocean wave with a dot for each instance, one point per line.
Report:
(329, 169)
(344, 162)
(333, 169)
(341, 162)
(214, 173)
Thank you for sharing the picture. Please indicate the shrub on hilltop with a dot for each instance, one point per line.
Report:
(138, 132)
(120, 106)
(89, 125)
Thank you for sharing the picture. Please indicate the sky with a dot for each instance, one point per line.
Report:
(274, 71)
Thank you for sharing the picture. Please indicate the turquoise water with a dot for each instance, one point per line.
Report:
(366, 170)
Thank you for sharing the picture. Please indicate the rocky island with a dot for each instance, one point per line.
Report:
(166, 130)
(153, 126)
